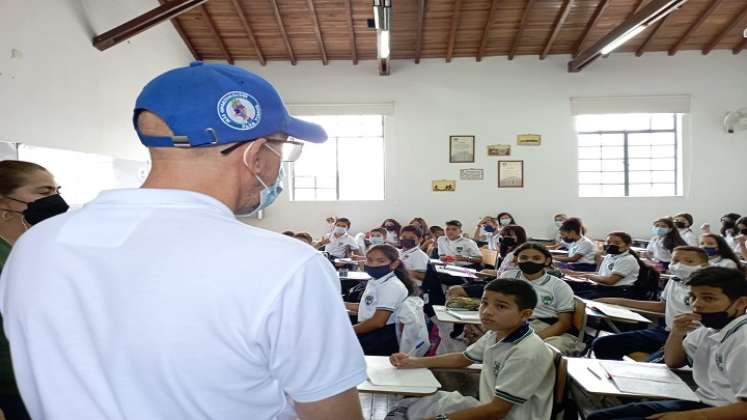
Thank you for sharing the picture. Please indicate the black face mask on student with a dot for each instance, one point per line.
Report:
(389, 228)
(612, 249)
(680, 225)
(530, 267)
(567, 240)
(43, 208)
(727, 224)
(507, 241)
(715, 320)
(408, 243)
(743, 231)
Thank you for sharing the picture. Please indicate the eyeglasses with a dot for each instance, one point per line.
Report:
(290, 150)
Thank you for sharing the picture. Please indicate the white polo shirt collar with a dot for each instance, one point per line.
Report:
(161, 198)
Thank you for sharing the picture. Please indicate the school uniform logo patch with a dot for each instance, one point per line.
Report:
(459, 249)
(369, 300)
(720, 361)
(239, 110)
(496, 367)
(547, 300)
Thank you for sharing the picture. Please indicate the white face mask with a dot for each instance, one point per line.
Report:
(683, 271)
(339, 230)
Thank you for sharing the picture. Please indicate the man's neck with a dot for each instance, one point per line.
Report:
(221, 186)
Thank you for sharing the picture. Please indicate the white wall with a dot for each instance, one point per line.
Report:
(62, 92)
(497, 99)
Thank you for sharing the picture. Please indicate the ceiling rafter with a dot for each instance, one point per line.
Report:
(249, 32)
(486, 30)
(562, 15)
(283, 33)
(728, 28)
(598, 12)
(452, 32)
(694, 27)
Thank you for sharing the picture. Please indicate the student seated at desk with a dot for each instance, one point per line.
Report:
(740, 240)
(683, 222)
(729, 228)
(713, 338)
(339, 243)
(376, 236)
(454, 246)
(719, 252)
(552, 318)
(388, 288)
(392, 228)
(666, 239)
(617, 274)
(415, 260)
(512, 236)
(674, 301)
(486, 233)
(581, 250)
(558, 220)
(430, 241)
(518, 374)
(421, 224)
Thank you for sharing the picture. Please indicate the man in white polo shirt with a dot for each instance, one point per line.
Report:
(156, 303)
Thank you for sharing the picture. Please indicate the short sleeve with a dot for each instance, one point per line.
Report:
(564, 297)
(473, 250)
(625, 266)
(476, 350)
(390, 295)
(420, 261)
(650, 247)
(735, 357)
(521, 375)
(442, 248)
(583, 249)
(692, 341)
(667, 292)
(310, 315)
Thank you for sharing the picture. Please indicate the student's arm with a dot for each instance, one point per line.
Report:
(610, 280)
(352, 306)
(645, 305)
(448, 360)
(560, 327)
(562, 258)
(674, 349)
(733, 411)
(345, 405)
(374, 323)
(496, 409)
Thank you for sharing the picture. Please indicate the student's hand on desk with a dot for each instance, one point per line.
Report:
(402, 361)
(685, 323)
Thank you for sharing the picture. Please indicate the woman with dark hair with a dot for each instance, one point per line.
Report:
(740, 240)
(666, 239)
(28, 195)
(421, 224)
(581, 250)
(388, 288)
(719, 252)
(512, 236)
(392, 231)
(505, 218)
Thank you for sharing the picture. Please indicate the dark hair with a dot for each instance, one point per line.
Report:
(700, 251)
(729, 280)
(401, 272)
(305, 236)
(505, 213)
(523, 292)
(423, 224)
(686, 216)
(732, 217)
(572, 224)
(14, 174)
(412, 229)
(378, 230)
(626, 238)
(724, 250)
(289, 233)
(672, 239)
(535, 246)
(521, 237)
(456, 223)
(741, 221)
(397, 226)
(343, 220)
(435, 228)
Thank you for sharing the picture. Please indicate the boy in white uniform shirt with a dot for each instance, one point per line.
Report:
(414, 259)
(675, 300)
(454, 246)
(518, 374)
(339, 243)
(713, 339)
(581, 250)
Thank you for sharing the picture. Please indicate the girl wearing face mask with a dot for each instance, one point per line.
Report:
(552, 318)
(719, 252)
(512, 237)
(617, 273)
(740, 241)
(415, 260)
(392, 231)
(388, 288)
(485, 230)
(28, 195)
(666, 239)
(421, 224)
(683, 223)
(505, 219)
(729, 228)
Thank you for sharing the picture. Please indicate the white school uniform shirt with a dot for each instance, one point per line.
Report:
(494, 241)
(507, 264)
(392, 239)
(719, 361)
(461, 246)
(689, 236)
(585, 247)
(719, 261)
(338, 246)
(518, 369)
(554, 296)
(624, 265)
(159, 304)
(385, 293)
(676, 295)
(414, 259)
(656, 250)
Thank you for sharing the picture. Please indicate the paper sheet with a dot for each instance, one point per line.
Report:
(655, 389)
(465, 315)
(382, 373)
(614, 311)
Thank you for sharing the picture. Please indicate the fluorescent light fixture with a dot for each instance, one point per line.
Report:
(383, 44)
(382, 14)
(627, 36)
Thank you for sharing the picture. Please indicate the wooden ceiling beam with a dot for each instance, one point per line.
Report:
(652, 33)
(317, 31)
(353, 48)
(283, 33)
(183, 35)
(694, 27)
(728, 28)
(249, 32)
(486, 30)
(211, 26)
(601, 7)
(149, 19)
(419, 31)
(635, 10)
(522, 26)
(452, 33)
(556, 28)
(740, 47)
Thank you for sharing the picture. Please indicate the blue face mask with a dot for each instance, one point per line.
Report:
(660, 231)
(712, 251)
(376, 240)
(377, 272)
(488, 229)
(270, 192)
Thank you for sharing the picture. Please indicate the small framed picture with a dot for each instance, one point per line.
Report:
(461, 149)
(443, 185)
(510, 174)
(529, 139)
(499, 150)
(471, 174)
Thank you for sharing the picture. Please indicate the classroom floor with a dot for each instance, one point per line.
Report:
(376, 406)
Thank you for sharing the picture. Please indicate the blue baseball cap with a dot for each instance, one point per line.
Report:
(210, 104)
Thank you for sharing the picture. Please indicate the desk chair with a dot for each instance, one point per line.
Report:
(562, 406)
(489, 257)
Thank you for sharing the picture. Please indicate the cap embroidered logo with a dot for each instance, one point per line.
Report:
(239, 110)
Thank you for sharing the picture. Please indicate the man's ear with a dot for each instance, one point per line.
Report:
(526, 314)
(395, 264)
(250, 156)
(741, 305)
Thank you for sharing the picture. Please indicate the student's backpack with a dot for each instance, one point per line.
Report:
(647, 285)
(412, 331)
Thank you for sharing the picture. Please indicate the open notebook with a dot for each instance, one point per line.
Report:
(614, 311)
(649, 379)
(382, 373)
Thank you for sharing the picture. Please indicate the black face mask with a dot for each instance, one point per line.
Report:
(43, 208)
(743, 231)
(680, 225)
(408, 243)
(390, 228)
(531, 267)
(612, 249)
(507, 241)
(715, 320)
(567, 240)
(727, 224)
